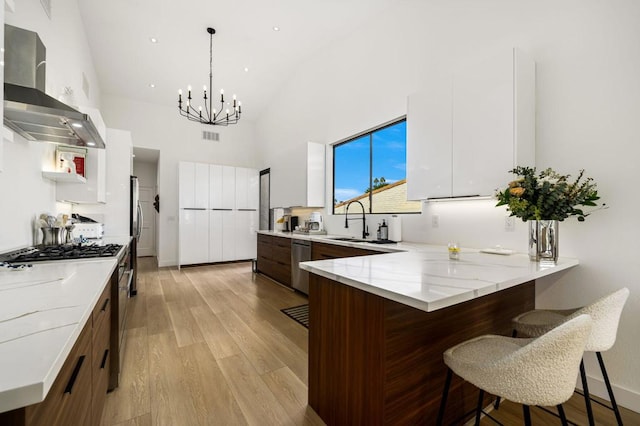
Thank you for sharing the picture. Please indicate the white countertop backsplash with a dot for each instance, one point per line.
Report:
(43, 309)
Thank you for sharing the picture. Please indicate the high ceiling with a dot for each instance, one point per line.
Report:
(127, 62)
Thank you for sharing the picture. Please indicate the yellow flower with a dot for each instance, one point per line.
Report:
(516, 192)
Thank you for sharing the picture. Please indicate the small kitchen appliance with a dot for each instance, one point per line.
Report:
(88, 230)
(315, 222)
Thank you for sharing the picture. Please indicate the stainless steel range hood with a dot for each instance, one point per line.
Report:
(27, 109)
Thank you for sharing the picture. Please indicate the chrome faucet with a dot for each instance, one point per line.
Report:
(365, 229)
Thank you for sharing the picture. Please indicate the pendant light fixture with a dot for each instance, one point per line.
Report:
(225, 115)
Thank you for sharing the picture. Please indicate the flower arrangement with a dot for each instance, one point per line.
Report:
(548, 195)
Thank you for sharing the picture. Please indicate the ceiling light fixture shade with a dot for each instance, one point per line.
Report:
(226, 115)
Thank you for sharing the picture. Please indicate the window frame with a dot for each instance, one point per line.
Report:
(368, 133)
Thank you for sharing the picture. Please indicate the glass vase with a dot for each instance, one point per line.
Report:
(543, 241)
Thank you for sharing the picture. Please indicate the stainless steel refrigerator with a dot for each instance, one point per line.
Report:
(135, 229)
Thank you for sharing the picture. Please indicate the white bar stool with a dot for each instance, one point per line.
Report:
(605, 313)
(540, 371)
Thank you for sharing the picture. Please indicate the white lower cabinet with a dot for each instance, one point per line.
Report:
(246, 227)
(194, 236)
(221, 241)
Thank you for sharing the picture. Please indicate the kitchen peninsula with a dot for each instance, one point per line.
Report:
(378, 326)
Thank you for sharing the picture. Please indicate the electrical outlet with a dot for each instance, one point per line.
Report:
(435, 221)
(510, 223)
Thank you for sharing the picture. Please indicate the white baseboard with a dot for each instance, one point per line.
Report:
(166, 263)
(624, 397)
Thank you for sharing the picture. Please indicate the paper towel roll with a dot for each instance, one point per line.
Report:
(395, 228)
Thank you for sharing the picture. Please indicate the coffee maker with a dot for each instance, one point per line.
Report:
(316, 225)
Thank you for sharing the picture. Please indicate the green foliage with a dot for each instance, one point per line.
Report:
(548, 195)
(377, 183)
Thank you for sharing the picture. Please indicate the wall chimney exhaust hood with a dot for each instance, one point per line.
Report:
(29, 111)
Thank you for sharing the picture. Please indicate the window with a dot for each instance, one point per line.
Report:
(372, 168)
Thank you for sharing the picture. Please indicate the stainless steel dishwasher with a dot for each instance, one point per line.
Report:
(300, 252)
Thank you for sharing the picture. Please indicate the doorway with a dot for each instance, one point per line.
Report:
(265, 204)
(145, 167)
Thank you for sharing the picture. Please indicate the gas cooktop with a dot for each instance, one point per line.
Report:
(60, 252)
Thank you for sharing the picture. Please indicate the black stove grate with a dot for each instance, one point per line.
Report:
(65, 252)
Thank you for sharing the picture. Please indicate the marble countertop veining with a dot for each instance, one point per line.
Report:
(421, 275)
(43, 309)
(427, 280)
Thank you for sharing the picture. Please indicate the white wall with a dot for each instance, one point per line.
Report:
(23, 191)
(68, 52)
(588, 101)
(161, 127)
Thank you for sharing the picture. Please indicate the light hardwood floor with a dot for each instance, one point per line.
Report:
(208, 345)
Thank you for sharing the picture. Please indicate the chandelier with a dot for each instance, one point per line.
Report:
(220, 117)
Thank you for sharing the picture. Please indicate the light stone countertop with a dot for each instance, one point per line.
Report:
(422, 276)
(43, 309)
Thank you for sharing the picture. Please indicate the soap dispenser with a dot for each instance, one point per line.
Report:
(384, 231)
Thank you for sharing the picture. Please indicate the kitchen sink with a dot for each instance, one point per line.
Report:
(350, 239)
(359, 240)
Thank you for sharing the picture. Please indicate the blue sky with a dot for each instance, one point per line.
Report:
(352, 161)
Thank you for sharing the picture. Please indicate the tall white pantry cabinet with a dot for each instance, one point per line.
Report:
(218, 213)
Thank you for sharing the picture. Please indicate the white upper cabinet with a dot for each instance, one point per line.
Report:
(299, 179)
(193, 181)
(222, 187)
(493, 122)
(315, 174)
(201, 191)
(247, 188)
(489, 111)
(429, 143)
(186, 184)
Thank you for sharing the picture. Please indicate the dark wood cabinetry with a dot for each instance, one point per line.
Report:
(274, 255)
(68, 402)
(374, 361)
(78, 394)
(274, 258)
(321, 251)
(101, 353)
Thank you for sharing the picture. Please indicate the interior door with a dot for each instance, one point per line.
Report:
(265, 184)
(147, 243)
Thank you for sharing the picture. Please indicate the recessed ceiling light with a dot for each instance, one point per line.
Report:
(246, 69)
(153, 40)
(152, 85)
(76, 125)
(276, 28)
(91, 143)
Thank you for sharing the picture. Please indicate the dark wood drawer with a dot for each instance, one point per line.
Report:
(101, 358)
(274, 258)
(279, 271)
(69, 399)
(320, 251)
(102, 308)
